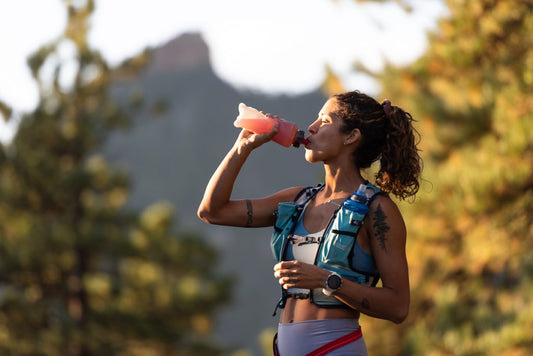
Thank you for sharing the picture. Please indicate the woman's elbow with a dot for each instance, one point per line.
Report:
(212, 216)
(400, 314)
(204, 215)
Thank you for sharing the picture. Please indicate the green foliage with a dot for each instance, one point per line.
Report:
(470, 231)
(79, 273)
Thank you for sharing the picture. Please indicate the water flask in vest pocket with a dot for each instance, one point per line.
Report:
(336, 249)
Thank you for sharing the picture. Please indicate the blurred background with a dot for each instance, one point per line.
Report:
(115, 114)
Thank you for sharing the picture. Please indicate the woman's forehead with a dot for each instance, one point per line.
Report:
(329, 107)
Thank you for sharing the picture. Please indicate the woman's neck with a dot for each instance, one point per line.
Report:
(341, 179)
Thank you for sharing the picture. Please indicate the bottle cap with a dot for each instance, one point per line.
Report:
(300, 138)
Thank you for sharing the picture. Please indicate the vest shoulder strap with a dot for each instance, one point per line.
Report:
(307, 194)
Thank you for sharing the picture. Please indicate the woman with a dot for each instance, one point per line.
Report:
(320, 303)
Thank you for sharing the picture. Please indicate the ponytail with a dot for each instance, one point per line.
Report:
(388, 135)
(400, 163)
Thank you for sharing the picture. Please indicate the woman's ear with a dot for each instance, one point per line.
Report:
(353, 137)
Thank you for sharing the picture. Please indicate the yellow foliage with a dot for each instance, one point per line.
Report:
(265, 339)
(139, 239)
(33, 293)
(189, 287)
(475, 97)
(51, 274)
(141, 348)
(490, 26)
(116, 197)
(66, 260)
(5, 335)
(332, 83)
(201, 324)
(162, 295)
(69, 129)
(408, 83)
(98, 285)
(66, 163)
(158, 216)
(143, 272)
(241, 352)
(97, 166)
(485, 246)
(148, 272)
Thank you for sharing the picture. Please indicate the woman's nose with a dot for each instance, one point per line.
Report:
(312, 128)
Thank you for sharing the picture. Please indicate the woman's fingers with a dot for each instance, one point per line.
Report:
(284, 268)
(288, 273)
(288, 282)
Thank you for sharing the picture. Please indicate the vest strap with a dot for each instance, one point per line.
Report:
(344, 232)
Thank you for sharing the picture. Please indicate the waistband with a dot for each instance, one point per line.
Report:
(317, 337)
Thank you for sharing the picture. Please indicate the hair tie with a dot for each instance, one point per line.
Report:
(386, 107)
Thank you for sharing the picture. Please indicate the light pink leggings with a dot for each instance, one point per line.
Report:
(295, 339)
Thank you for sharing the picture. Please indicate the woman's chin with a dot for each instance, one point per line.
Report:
(309, 157)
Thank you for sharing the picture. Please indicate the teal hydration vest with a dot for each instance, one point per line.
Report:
(335, 246)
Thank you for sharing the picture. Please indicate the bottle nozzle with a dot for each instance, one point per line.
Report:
(300, 138)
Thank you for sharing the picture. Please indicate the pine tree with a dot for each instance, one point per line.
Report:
(80, 274)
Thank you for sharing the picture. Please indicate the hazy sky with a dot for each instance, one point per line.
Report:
(275, 46)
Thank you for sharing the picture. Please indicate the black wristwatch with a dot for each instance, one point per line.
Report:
(333, 282)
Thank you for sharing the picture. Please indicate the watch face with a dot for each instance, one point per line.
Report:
(334, 281)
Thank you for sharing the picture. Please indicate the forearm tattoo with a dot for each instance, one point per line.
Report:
(250, 213)
(380, 227)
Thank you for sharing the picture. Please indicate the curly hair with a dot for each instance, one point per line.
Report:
(388, 137)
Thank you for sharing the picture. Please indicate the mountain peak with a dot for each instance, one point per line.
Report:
(186, 52)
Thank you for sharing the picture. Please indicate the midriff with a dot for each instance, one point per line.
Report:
(297, 310)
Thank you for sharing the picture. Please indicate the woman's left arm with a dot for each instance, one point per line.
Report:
(386, 232)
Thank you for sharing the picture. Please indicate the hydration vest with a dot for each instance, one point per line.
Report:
(335, 246)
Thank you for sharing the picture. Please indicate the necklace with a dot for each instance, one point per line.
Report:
(332, 201)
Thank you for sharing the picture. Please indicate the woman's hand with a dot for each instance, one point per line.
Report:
(296, 274)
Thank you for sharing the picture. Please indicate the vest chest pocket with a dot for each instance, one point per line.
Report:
(287, 212)
(336, 249)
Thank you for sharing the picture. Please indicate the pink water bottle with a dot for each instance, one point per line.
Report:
(253, 120)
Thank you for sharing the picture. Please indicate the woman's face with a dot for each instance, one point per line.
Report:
(326, 141)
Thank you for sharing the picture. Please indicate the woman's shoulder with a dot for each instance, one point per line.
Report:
(383, 204)
(384, 215)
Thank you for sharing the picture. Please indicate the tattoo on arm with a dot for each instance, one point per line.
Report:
(380, 227)
(250, 213)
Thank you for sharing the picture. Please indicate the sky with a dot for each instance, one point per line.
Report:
(274, 46)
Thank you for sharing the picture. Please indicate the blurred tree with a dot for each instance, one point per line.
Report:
(470, 243)
(79, 273)
(332, 83)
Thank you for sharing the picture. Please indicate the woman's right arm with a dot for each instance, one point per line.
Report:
(217, 207)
